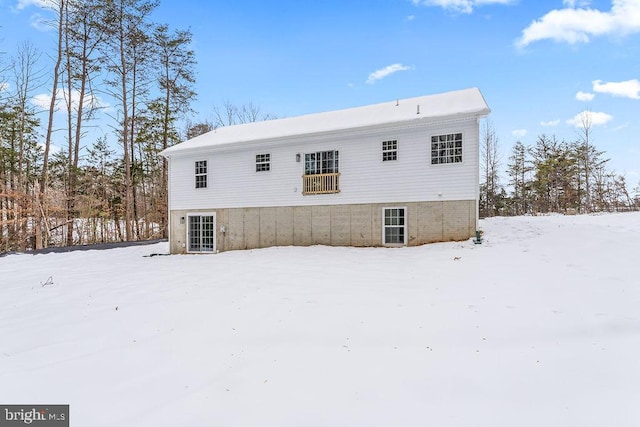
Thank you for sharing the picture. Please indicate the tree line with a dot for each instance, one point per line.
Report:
(552, 176)
(111, 62)
(65, 181)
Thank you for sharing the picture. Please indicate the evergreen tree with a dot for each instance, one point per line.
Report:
(519, 170)
(176, 64)
(83, 35)
(127, 26)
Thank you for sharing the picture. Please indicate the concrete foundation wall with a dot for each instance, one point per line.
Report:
(337, 225)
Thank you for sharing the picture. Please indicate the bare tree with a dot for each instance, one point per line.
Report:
(490, 164)
(3, 81)
(126, 23)
(230, 114)
(175, 78)
(586, 122)
(18, 149)
(197, 129)
(83, 36)
(41, 212)
(25, 80)
(623, 199)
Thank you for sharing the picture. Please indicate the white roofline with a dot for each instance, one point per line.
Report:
(449, 105)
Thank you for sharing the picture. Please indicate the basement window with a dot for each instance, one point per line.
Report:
(394, 226)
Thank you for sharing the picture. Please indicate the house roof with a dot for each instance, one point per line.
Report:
(460, 103)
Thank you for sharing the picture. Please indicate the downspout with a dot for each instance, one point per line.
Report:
(168, 200)
(477, 175)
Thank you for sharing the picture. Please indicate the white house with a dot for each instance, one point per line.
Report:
(393, 174)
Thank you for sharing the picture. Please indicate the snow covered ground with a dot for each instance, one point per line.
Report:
(538, 326)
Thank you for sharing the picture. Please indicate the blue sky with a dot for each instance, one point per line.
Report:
(538, 63)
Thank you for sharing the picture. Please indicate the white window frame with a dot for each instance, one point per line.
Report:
(390, 154)
(447, 149)
(263, 162)
(403, 226)
(201, 173)
(213, 248)
(321, 163)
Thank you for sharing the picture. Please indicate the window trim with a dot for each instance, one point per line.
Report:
(318, 162)
(404, 226)
(454, 155)
(391, 152)
(199, 176)
(321, 175)
(188, 237)
(261, 162)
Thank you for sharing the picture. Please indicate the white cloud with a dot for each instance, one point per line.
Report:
(622, 126)
(43, 100)
(411, 17)
(4, 86)
(595, 119)
(574, 3)
(385, 72)
(37, 21)
(519, 133)
(53, 149)
(550, 123)
(460, 6)
(577, 25)
(626, 89)
(40, 23)
(23, 4)
(584, 96)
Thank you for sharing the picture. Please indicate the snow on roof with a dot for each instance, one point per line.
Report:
(466, 102)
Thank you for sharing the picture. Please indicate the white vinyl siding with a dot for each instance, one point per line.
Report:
(364, 178)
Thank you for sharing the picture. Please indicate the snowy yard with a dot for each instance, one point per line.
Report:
(538, 326)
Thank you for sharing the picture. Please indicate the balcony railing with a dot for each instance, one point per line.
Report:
(322, 183)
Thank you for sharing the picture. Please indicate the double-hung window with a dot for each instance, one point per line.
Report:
(201, 174)
(389, 150)
(263, 162)
(446, 148)
(321, 172)
(394, 228)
